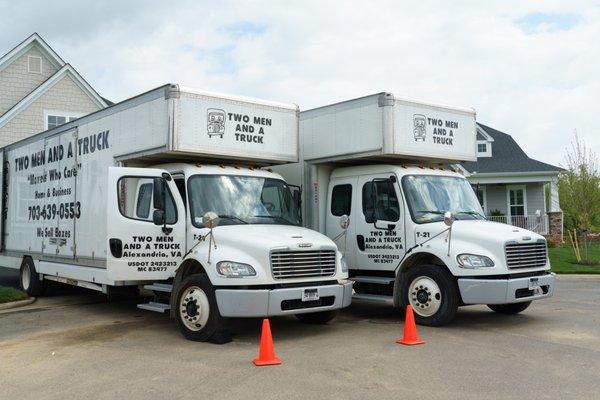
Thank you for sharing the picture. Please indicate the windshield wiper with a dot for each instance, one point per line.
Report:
(232, 217)
(471, 213)
(281, 219)
(432, 212)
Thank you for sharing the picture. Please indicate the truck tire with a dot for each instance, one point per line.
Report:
(29, 279)
(197, 313)
(513, 308)
(318, 318)
(432, 292)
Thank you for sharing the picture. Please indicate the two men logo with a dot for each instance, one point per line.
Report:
(419, 124)
(215, 120)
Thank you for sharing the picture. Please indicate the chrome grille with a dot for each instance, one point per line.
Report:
(526, 255)
(302, 264)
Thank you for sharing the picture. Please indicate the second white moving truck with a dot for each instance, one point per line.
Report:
(126, 197)
(417, 234)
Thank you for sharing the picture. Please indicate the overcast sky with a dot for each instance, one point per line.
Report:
(531, 69)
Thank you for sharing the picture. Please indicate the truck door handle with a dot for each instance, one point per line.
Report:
(360, 241)
(116, 247)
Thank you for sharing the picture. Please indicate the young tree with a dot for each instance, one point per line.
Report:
(579, 187)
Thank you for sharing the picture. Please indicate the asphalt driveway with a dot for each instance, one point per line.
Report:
(77, 345)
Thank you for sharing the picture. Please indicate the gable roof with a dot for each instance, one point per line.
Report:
(507, 157)
(28, 43)
(64, 69)
(67, 69)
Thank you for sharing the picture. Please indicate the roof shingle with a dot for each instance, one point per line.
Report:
(507, 156)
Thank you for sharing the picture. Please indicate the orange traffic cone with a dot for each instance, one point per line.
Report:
(266, 351)
(410, 329)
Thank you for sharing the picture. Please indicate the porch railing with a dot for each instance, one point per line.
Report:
(538, 224)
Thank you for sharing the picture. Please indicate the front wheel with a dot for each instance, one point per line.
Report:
(197, 313)
(433, 294)
(513, 308)
(318, 318)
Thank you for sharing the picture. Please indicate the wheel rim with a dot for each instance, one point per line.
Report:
(25, 277)
(194, 308)
(424, 296)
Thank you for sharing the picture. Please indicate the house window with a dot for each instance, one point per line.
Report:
(481, 147)
(54, 119)
(516, 200)
(34, 64)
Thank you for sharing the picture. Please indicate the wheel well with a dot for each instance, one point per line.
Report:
(413, 261)
(420, 259)
(187, 268)
(190, 267)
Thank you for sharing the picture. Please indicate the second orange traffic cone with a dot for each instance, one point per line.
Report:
(410, 329)
(266, 351)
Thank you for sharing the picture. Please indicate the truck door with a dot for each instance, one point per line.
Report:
(379, 223)
(340, 201)
(137, 248)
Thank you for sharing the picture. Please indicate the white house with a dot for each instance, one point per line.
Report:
(39, 91)
(513, 188)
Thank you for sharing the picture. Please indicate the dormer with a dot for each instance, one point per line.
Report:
(484, 143)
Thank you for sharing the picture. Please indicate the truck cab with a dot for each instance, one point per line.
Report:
(225, 241)
(402, 249)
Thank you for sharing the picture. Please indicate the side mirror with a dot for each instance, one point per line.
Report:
(210, 220)
(448, 218)
(159, 193)
(344, 222)
(159, 217)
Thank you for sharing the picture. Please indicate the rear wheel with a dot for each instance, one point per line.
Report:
(29, 279)
(318, 318)
(197, 313)
(513, 308)
(433, 294)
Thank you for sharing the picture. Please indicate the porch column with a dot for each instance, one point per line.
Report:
(555, 216)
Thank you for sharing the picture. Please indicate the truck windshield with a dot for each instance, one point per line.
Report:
(241, 200)
(430, 196)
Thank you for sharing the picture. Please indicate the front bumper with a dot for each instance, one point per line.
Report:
(271, 302)
(504, 291)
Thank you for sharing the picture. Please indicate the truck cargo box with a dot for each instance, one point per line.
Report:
(55, 182)
(381, 127)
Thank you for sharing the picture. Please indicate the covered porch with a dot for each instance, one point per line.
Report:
(522, 201)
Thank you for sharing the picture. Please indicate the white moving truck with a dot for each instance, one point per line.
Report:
(125, 197)
(417, 234)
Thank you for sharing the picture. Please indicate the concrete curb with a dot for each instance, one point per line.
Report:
(15, 304)
(578, 277)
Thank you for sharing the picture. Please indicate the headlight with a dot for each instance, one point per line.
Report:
(232, 269)
(474, 261)
(343, 264)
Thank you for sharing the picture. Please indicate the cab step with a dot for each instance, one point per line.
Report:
(379, 280)
(375, 298)
(154, 306)
(159, 287)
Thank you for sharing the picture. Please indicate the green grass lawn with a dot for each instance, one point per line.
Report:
(562, 259)
(11, 294)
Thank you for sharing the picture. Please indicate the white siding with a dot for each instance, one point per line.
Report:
(535, 198)
(65, 95)
(16, 82)
(496, 198)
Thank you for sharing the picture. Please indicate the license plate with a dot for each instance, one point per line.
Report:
(534, 283)
(310, 294)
